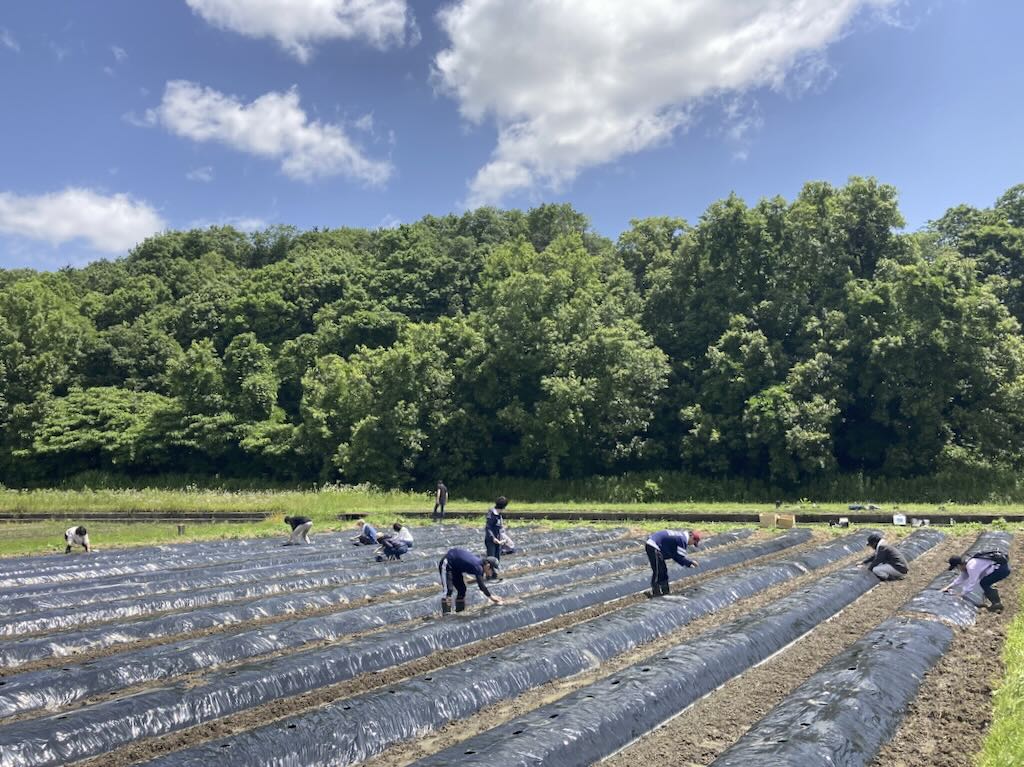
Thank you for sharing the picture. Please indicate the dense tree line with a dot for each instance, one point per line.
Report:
(785, 342)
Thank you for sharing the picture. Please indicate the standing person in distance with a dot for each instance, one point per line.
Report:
(983, 569)
(440, 499)
(887, 563)
(494, 532)
(76, 536)
(300, 530)
(668, 544)
(452, 569)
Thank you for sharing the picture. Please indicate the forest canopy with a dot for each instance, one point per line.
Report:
(783, 342)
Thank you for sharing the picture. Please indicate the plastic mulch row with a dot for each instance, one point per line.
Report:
(96, 729)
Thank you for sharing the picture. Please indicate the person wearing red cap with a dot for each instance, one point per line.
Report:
(668, 544)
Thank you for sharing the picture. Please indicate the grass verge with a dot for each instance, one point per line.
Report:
(1004, 744)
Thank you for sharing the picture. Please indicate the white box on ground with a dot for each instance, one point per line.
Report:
(899, 519)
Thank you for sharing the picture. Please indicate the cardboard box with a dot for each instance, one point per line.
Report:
(768, 520)
(786, 520)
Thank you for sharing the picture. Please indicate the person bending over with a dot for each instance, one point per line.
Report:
(886, 562)
(300, 530)
(76, 536)
(983, 569)
(668, 544)
(453, 569)
(367, 534)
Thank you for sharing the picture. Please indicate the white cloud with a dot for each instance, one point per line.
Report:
(59, 52)
(615, 77)
(203, 174)
(120, 54)
(365, 123)
(109, 223)
(274, 125)
(241, 223)
(298, 25)
(7, 40)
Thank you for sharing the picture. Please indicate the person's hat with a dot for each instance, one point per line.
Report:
(955, 562)
(287, 519)
(493, 562)
(873, 539)
(695, 537)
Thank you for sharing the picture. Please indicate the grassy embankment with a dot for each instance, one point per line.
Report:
(1004, 744)
(322, 506)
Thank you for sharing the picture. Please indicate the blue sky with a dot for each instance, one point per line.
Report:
(122, 117)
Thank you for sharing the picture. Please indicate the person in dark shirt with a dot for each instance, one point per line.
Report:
(300, 530)
(494, 532)
(440, 499)
(886, 562)
(453, 569)
(668, 544)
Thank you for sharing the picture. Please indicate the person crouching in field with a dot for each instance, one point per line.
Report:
(453, 569)
(367, 534)
(76, 536)
(403, 534)
(887, 563)
(984, 569)
(300, 530)
(668, 544)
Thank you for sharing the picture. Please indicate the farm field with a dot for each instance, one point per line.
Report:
(771, 652)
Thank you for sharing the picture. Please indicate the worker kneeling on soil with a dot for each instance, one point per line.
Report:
(984, 569)
(668, 544)
(453, 569)
(300, 530)
(367, 534)
(887, 563)
(76, 536)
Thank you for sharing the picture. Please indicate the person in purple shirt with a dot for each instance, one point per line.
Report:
(453, 569)
(668, 544)
(985, 570)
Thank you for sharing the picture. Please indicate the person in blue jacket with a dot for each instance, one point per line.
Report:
(668, 544)
(494, 533)
(453, 569)
(367, 534)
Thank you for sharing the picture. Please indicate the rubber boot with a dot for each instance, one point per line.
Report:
(460, 605)
(446, 606)
(997, 603)
(664, 588)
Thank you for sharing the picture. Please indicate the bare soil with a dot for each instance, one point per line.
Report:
(702, 732)
(947, 722)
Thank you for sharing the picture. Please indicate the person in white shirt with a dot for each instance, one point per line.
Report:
(983, 569)
(76, 536)
(403, 534)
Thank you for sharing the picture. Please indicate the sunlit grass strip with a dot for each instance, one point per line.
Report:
(1004, 745)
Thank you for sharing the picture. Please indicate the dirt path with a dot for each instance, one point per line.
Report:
(455, 732)
(946, 723)
(278, 709)
(701, 733)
